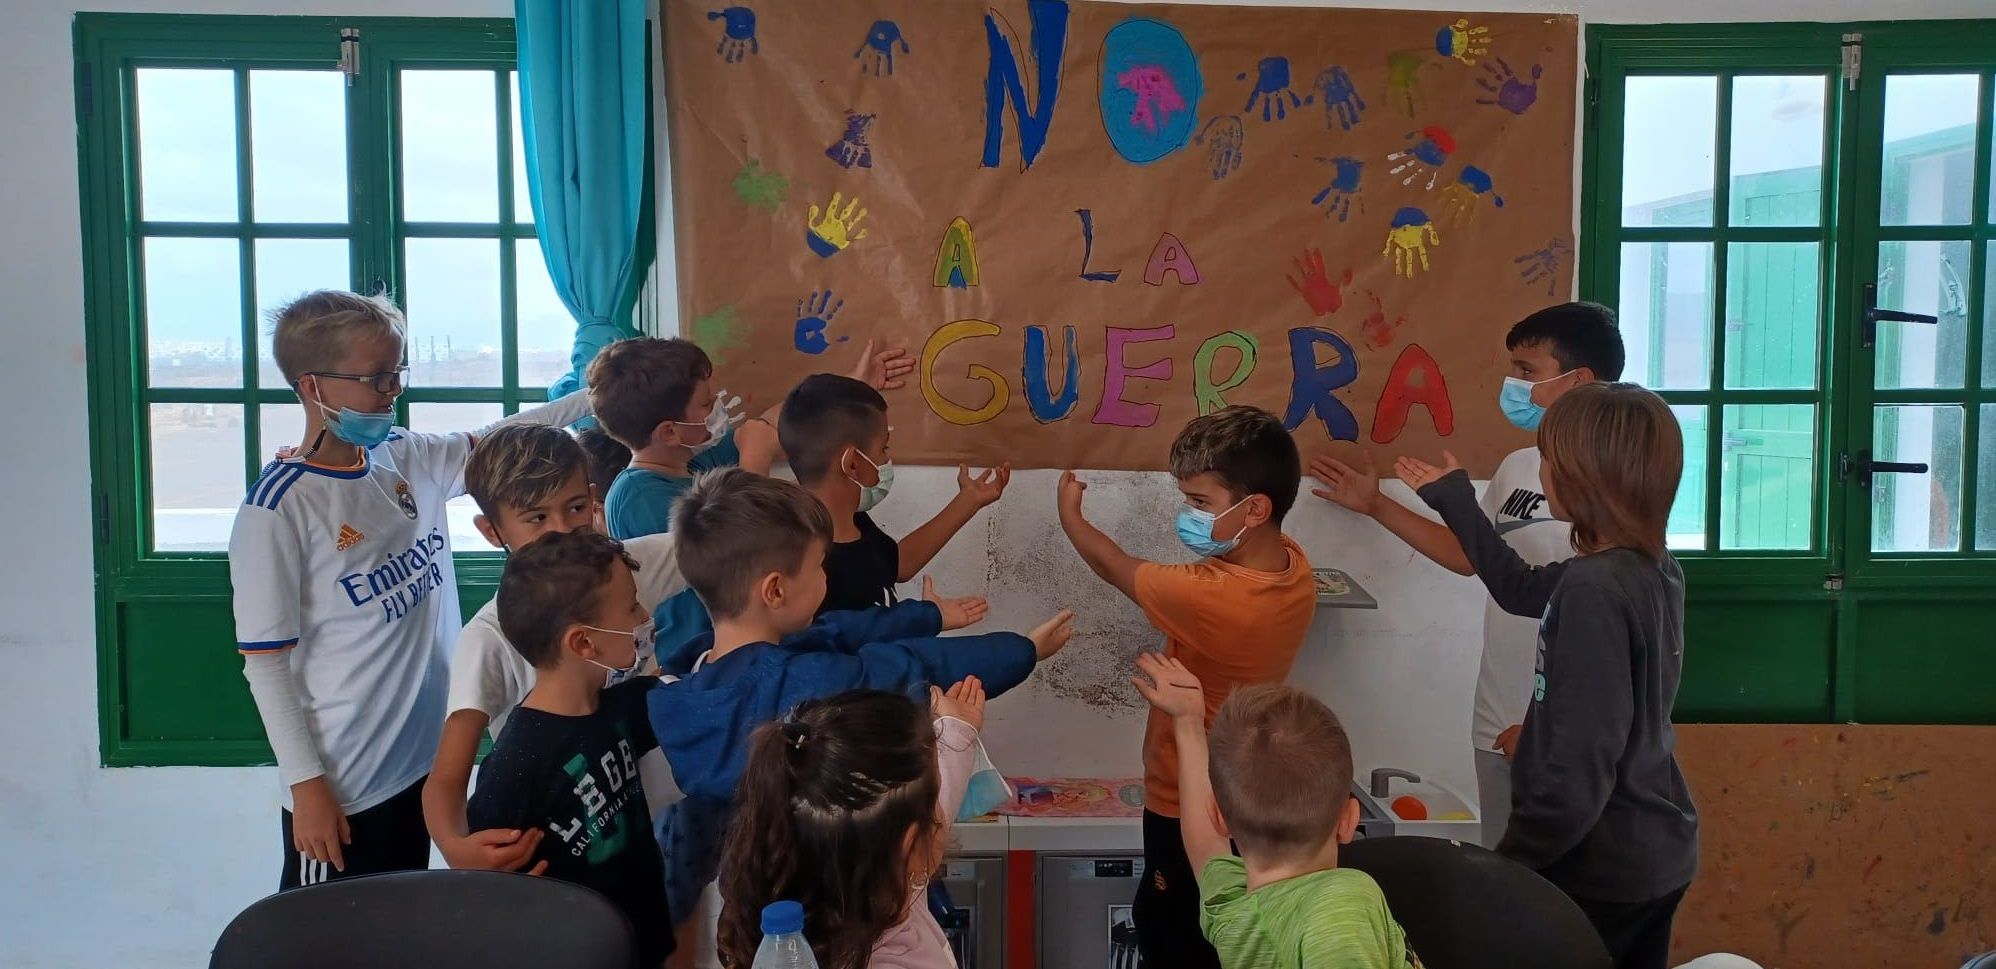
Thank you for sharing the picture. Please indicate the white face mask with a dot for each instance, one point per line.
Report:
(644, 637)
(870, 496)
(716, 424)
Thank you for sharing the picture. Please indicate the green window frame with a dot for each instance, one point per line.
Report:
(170, 684)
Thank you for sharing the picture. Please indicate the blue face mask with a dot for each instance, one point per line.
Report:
(359, 428)
(1195, 529)
(1516, 400)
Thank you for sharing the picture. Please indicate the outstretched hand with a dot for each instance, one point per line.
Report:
(1169, 686)
(886, 369)
(964, 701)
(1419, 474)
(957, 612)
(1354, 488)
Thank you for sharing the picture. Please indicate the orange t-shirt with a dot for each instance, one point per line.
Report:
(1230, 626)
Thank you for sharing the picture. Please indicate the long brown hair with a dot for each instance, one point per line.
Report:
(826, 803)
(1613, 456)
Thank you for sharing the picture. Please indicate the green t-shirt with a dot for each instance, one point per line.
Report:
(1331, 919)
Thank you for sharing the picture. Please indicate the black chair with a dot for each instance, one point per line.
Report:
(430, 920)
(1987, 960)
(1467, 908)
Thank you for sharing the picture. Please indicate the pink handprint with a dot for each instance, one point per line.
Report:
(1157, 97)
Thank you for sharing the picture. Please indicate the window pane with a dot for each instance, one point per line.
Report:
(546, 329)
(285, 270)
(1929, 166)
(443, 418)
(1669, 127)
(1985, 482)
(187, 145)
(1686, 530)
(298, 146)
(523, 205)
(281, 426)
(1772, 315)
(450, 164)
(1917, 512)
(1989, 321)
(453, 304)
(197, 475)
(194, 317)
(1768, 481)
(1931, 278)
(1666, 314)
(1777, 150)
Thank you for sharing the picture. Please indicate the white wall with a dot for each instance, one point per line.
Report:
(142, 867)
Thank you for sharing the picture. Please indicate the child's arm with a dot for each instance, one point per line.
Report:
(920, 546)
(1358, 490)
(1520, 589)
(1115, 566)
(849, 629)
(959, 716)
(1000, 661)
(1176, 693)
(559, 412)
(501, 849)
(1575, 734)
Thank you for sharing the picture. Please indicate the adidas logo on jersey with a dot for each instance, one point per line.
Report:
(349, 537)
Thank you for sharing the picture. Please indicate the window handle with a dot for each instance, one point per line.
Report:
(1860, 467)
(1868, 327)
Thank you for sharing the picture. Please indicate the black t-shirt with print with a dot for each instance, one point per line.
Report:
(861, 573)
(576, 778)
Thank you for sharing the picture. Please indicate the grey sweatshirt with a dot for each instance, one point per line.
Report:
(1598, 805)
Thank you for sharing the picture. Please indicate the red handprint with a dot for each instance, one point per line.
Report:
(1377, 329)
(1316, 287)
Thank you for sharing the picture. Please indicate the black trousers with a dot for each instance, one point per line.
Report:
(1637, 933)
(389, 836)
(1166, 909)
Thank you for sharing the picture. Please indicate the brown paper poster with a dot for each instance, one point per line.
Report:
(1095, 221)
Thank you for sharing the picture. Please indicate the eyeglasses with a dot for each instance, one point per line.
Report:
(388, 382)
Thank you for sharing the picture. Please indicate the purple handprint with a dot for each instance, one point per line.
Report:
(852, 147)
(1506, 90)
(1343, 189)
(1226, 151)
(1157, 97)
(1543, 265)
(1271, 85)
(737, 33)
(1342, 105)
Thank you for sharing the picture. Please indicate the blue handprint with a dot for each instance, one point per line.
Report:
(1343, 189)
(1271, 84)
(1342, 105)
(814, 314)
(1427, 150)
(1226, 149)
(881, 38)
(852, 148)
(737, 34)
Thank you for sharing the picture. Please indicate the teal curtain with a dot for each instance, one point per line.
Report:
(583, 97)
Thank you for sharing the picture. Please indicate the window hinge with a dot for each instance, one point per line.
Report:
(1853, 59)
(350, 53)
(1834, 582)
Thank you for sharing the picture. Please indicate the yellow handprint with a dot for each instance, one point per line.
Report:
(830, 235)
(1462, 42)
(1409, 238)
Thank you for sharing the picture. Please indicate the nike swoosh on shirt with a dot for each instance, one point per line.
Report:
(1504, 528)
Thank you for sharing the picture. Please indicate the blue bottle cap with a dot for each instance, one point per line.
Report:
(783, 918)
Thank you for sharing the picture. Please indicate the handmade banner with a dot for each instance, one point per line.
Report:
(1095, 221)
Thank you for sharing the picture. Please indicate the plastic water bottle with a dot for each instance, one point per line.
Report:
(783, 945)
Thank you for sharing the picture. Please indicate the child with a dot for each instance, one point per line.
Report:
(1552, 351)
(1236, 616)
(566, 762)
(753, 548)
(528, 481)
(1598, 805)
(834, 433)
(1278, 785)
(607, 459)
(345, 598)
(657, 397)
(846, 808)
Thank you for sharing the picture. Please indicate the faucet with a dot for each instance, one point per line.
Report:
(1382, 779)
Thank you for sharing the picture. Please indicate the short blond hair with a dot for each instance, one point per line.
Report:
(312, 333)
(1281, 769)
(1613, 455)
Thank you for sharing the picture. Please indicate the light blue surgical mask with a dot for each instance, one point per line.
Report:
(870, 496)
(363, 429)
(1195, 529)
(1516, 400)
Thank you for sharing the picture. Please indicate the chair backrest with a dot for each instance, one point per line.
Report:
(1463, 906)
(1987, 960)
(430, 920)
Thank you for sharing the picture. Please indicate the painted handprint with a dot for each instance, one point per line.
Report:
(1543, 265)
(1461, 199)
(737, 33)
(1462, 41)
(852, 147)
(1426, 152)
(1156, 96)
(1226, 148)
(814, 315)
(1342, 105)
(1377, 328)
(1506, 90)
(881, 39)
(1408, 240)
(1338, 196)
(830, 235)
(1315, 285)
(1271, 86)
(1403, 79)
